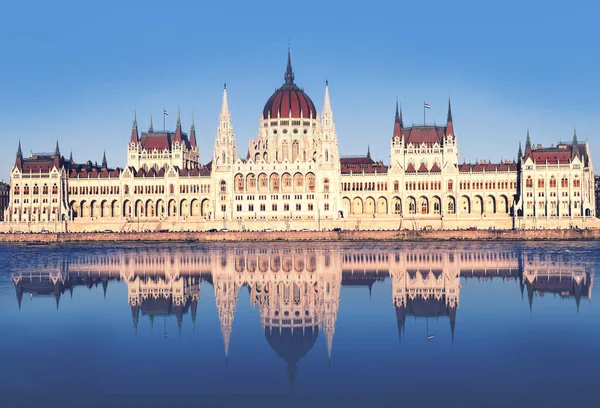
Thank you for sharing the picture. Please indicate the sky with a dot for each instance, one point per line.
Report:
(75, 72)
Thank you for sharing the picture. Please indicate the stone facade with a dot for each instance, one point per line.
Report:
(293, 178)
(4, 198)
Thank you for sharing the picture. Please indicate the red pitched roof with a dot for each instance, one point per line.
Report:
(422, 168)
(435, 168)
(423, 134)
(361, 164)
(410, 168)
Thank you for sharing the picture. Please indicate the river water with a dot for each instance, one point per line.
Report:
(285, 324)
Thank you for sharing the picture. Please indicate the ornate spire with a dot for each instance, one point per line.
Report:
(449, 124)
(289, 73)
(520, 153)
(178, 129)
(193, 133)
(326, 102)
(369, 151)
(19, 152)
(134, 130)
(57, 150)
(151, 128)
(528, 141)
(575, 145)
(104, 163)
(224, 103)
(71, 156)
(398, 125)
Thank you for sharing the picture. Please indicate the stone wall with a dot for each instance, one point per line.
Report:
(482, 235)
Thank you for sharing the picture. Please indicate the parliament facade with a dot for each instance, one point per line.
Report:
(293, 178)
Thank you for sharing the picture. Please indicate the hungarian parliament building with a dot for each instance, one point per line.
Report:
(293, 178)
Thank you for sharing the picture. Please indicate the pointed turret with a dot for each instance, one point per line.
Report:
(178, 129)
(575, 145)
(449, 124)
(19, 159)
(193, 134)
(104, 163)
(57, 150)
(528, 146)
(134, 130)
(71, 156)
(289, 73)
(397, 122)
(225, 151)
(151, 127)
(520, 152)
(369, 151)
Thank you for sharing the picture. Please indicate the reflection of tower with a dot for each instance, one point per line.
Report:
(43, 283)
(226, 291)
(556, 274)
(425, 284)
(330, 280)
(164, 295)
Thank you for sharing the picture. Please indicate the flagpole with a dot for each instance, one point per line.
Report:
(164, 127)
(423, 113)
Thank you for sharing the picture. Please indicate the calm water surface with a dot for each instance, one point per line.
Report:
(427, 324)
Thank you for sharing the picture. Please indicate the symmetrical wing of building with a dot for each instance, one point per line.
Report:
(293, 177)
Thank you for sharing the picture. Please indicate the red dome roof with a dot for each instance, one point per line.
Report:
(289, 98)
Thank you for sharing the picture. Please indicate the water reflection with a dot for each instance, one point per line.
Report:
(297, 291)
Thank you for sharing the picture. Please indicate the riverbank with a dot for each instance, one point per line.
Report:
(236, 236)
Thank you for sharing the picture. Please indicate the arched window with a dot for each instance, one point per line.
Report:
(396, 185)
(223, 158)
(36, 189)
(326, 155)
(576, 183)
(552, 182)
(16, 190)
(223, 186)
(411, 207)
(295, 150)
(564, 182)
(541, 183)
(451, 207)
(424, 209)
(310, 181)
(436, 208)
(529, 182)
(450, 185)
(326, 184)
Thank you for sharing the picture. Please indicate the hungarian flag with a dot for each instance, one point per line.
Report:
(427, 106)
(165, 112)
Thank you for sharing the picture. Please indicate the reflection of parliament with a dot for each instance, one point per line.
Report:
(297, 291)
(292, 177)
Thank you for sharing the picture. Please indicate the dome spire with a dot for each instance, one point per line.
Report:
(134, 130)
(289, 73)
(449, 124)
(398, 125)
(104, 166)
(19, 152)
(151, 128)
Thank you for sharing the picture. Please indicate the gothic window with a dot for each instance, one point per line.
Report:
(45, 189)
(411, 207)
(266, 157)
(16, 190)
(576, 183)
(450, 185)
(284, 150)
(541, 183)
(239, 182)
(223, 186)
(36, 189)
(529, 182)
(326, 155)
(275, 182)
(310, 181)
(564, 182)
(424, 209)
(396, 185)
(295, 150)
(553, 182)
(223, 158)
(436, 207)
(326, 184)
(326, 207)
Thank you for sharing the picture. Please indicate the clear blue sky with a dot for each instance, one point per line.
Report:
(74, 71)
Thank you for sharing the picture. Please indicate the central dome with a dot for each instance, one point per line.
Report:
(289, 100)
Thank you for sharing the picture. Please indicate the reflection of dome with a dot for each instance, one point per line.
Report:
(289, 100)
(291, 344)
